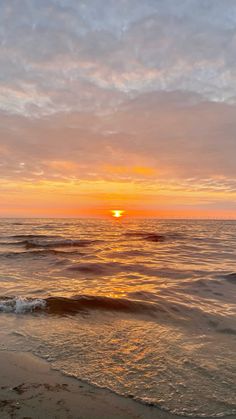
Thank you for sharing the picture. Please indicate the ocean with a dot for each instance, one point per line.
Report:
(145, 308)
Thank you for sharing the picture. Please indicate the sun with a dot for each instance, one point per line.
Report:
(117, 213)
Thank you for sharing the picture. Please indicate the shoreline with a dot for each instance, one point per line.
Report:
(30, 389)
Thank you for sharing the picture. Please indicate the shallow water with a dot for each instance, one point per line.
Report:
(145, 308)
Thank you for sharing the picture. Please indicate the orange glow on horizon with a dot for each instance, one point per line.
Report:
(94, 198)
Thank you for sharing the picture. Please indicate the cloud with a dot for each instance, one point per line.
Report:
(73, 55)
(176, 135)
(120, 92)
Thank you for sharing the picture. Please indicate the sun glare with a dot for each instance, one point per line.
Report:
(117, 213)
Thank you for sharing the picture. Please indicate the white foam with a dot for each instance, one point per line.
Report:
(20, 305)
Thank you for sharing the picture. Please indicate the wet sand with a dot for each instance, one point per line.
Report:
(29, 388)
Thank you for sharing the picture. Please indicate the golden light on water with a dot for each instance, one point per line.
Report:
(117, 213)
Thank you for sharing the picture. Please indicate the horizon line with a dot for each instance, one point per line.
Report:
(123, 218)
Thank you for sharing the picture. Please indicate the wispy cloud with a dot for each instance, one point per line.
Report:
(70, 55)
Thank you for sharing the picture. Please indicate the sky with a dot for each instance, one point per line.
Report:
(127, 104)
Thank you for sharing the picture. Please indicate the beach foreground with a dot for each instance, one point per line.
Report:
(30, 389)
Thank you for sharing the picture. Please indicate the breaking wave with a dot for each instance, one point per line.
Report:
(161, 309)
(73, 305)
(20, 305)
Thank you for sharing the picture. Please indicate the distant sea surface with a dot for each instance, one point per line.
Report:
(145, 308)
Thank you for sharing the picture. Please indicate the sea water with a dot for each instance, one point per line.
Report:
(145, 308)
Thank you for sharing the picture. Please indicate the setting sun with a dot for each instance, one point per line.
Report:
(117, 213)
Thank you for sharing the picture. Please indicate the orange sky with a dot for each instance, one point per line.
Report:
(97, 198)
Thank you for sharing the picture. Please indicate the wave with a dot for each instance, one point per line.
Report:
(161, 311)
(109, 268)
(227, 330)
(32, 236)
(20, 305)
(96, 268)
(73, 305)
(44, 240)
(231, 278)
(40, 253)
(47, 226)
(152, 237)
(161, 308)
(62, 305)
(129, 253)
(22, 239)
(38, 244)
(30, 244)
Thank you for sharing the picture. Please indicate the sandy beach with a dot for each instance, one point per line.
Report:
(30, 389)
